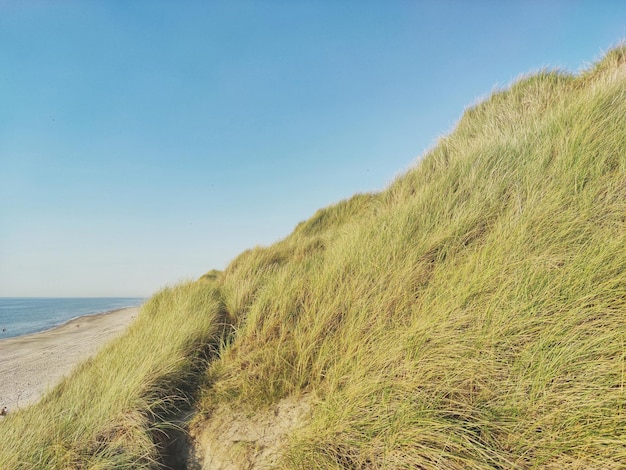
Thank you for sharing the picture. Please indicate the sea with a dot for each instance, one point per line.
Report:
(25, 315)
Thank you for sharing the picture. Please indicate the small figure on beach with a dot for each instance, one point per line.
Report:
(4, 411)
(4, 329)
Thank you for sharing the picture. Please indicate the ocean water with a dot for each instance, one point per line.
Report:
(22, 316)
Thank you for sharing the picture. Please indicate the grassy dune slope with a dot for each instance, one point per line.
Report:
(472, 315)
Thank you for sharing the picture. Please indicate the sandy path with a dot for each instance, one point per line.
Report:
(31, 364)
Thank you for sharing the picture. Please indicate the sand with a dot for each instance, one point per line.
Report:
(32, 364)
(230, 439)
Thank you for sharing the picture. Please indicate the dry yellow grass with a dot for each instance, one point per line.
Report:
(473, 315)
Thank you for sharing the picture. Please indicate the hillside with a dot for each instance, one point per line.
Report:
(470, 316)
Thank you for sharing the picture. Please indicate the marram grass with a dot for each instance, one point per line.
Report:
(473, 315)
(470, 316)
(113, 409)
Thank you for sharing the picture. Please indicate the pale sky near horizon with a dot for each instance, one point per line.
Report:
(144, 143)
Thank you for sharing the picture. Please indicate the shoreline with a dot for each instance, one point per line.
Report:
(67, 322)
(32, 364)
(62, 322)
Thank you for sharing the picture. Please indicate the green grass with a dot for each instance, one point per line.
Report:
(470, 316)
(473, 315)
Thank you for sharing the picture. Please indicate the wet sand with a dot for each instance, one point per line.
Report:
(32, 364)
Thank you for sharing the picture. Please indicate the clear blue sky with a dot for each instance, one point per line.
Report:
(147, 142)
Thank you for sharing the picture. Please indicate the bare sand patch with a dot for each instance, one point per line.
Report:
(32, 364)
(232, 440)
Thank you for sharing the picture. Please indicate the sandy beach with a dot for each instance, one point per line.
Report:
(32, 364)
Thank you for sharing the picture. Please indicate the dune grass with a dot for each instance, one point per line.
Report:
(473, 315)
(115, 409)
(470, 316)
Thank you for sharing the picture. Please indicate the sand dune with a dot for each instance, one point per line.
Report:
(31, 364)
